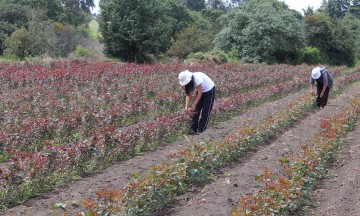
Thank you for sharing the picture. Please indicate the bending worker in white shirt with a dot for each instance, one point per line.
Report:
(205, 96)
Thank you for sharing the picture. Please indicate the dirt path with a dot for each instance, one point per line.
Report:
(217, 196)
(121, 173)
(339, 193)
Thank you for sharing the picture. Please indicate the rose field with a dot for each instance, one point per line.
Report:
(103, 138)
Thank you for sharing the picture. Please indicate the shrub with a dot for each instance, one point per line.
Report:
(309, 55)
(217, 57)
(16, 45)
(196, 55)
(191, 39)
(38, 40)
(83, 52)
(358, 63)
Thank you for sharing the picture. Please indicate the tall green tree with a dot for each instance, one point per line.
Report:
(337, 9)
(213, 16)
(335, 40)
(133, 29)
(52, 7)
(74, 12)
(342, 51)
(12, 17)
(17, 15)
(353, 23)
(261, 31)
(318, 28)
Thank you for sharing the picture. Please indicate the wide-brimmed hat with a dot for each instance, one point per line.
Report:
(185, 77)
(315, 74)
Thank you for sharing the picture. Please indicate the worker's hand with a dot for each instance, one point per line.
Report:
(321, 94)
(186, 110)
(192, 112)
(312, 92)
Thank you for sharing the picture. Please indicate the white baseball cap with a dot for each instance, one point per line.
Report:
(315, 74)
(185, 77)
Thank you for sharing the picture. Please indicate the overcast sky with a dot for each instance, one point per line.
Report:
(303, 4)
(293, 4)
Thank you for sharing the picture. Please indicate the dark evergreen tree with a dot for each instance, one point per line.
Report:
(308, 11)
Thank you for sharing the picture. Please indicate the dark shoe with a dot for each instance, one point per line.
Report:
(191, 132)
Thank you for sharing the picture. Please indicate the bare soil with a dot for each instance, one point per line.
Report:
(216, 197)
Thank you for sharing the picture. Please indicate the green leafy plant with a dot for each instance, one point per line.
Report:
(309, 55)
(83, 52)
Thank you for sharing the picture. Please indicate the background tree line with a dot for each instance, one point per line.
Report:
(249, 30)
(146, 30)
(38, 27)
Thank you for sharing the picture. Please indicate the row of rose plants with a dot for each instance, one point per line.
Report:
(67, 99)
(39, 115)
(38, 101)
(33, 134)
(121, 85)
(285, 194)
(76, 74)
(195, 164)
(56, 163)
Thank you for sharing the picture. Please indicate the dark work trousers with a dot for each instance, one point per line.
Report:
(321, 102)
(203, 108)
